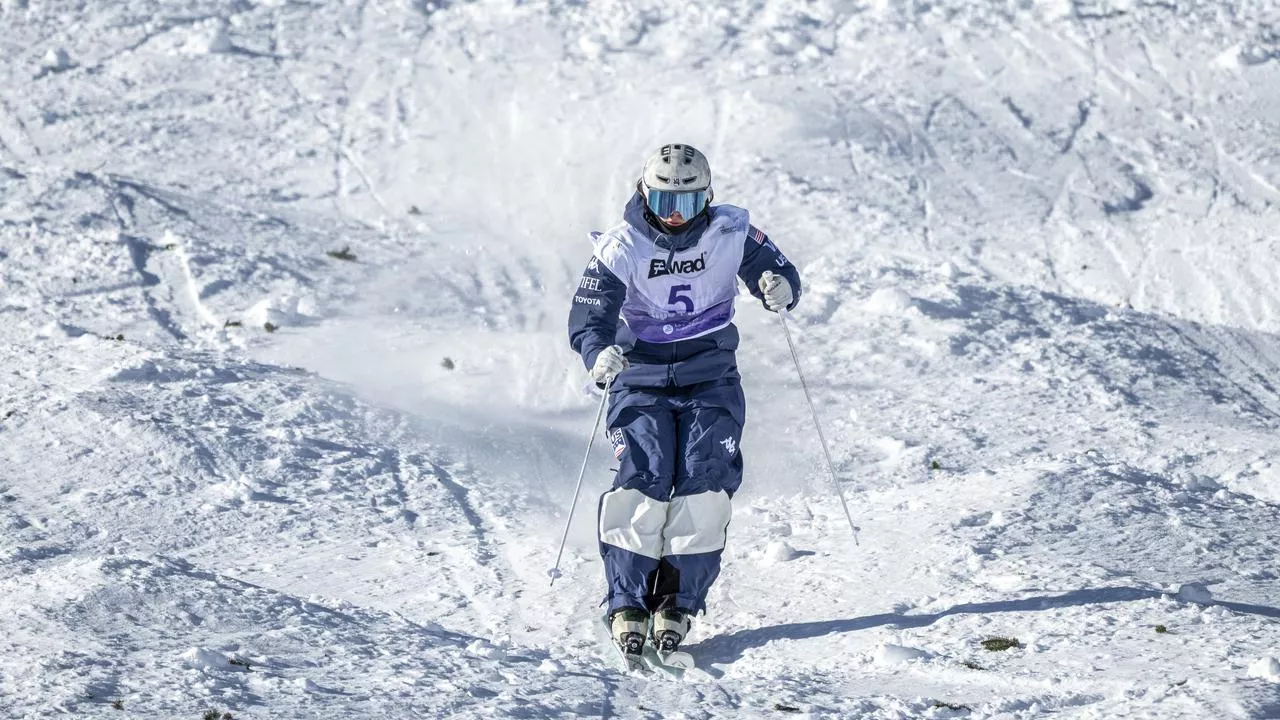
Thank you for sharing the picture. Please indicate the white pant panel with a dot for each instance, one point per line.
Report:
(697, 523)
(633, 521)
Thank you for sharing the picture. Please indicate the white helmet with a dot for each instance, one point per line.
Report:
(676, 184)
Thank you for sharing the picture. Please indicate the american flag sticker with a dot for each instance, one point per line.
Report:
(757, 234)
(619, 444)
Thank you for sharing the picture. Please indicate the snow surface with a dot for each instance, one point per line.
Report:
(288, 427)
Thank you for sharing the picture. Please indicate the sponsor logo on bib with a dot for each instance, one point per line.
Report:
(659, 267)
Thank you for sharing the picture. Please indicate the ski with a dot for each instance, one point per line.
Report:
(676, 660)
(673, 664)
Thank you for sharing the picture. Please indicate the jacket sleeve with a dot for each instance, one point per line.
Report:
(593, 319)
(759, 255)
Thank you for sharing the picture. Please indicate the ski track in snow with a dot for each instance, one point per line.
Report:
(288, 427)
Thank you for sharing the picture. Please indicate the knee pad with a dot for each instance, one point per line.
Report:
(697, 523)
(631, 520)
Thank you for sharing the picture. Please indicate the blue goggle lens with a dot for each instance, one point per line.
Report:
(665, 202)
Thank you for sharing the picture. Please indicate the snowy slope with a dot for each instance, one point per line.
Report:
(1039, 252)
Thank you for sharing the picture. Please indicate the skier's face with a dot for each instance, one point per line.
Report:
(675, 219)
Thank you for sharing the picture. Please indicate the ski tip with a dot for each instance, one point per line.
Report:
(635, 666)
(678, 660)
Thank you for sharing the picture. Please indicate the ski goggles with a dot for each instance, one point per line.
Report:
(663, 203)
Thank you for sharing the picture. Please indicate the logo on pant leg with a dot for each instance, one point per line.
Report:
(729, 445)
(619, 444)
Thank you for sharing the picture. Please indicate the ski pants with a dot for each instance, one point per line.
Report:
(663, 524)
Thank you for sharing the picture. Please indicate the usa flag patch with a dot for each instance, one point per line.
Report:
(757, 234)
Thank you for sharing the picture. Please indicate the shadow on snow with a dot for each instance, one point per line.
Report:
(730, 647)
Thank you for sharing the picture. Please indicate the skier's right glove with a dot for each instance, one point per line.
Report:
(609, 363)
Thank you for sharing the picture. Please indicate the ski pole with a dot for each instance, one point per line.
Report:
(826, 452)
(555, 571)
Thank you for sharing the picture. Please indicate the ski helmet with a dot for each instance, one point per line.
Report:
(676, 179)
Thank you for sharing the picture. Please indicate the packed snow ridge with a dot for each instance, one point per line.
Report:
(289, 426)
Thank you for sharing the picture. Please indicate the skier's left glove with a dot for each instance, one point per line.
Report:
(777, 291)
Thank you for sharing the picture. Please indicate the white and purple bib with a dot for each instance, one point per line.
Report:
(689, 296)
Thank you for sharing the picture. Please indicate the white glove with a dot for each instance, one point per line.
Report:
(777, 291)
(609, 363)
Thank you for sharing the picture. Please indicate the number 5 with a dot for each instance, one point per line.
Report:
(676, 297)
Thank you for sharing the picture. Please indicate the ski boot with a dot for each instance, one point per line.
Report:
(669, 630)
(628, 627)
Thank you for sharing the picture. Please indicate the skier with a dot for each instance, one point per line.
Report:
(676, 408)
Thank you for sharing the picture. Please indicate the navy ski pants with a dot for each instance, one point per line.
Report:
(662, 526)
